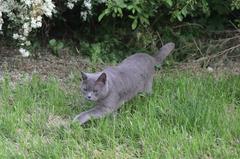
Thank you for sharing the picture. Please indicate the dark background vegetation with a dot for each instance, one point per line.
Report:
(206, 30)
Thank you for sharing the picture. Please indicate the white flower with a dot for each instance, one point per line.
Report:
(33, 23)
(28, 43)
(23, 38)
(25, 25)
(48, 8)
(24, 52)
(84, 15)
(26, 29)
(88, 4)
(37, 2)
(15, 36)
(39, 18)
(70, 5)
(1, 20)
(28, 2)
(39, 24)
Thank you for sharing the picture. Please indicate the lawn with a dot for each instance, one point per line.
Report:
(189, 115)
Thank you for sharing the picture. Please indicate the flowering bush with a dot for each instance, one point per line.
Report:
(25, 16)
(21, 18)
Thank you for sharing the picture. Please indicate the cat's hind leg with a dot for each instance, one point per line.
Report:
(148, 85)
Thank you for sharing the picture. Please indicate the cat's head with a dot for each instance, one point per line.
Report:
(94, 86)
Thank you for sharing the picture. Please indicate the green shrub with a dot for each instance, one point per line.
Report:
(55, 46)
(119, 21)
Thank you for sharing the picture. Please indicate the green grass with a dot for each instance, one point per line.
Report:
(188, 116)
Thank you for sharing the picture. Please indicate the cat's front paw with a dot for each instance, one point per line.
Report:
(82, 118)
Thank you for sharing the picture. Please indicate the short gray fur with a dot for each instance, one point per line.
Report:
(113, 86)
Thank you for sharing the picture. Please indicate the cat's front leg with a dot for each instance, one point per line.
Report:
(96, 112)
(82, 117)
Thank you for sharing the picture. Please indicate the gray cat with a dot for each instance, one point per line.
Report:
(115, 85)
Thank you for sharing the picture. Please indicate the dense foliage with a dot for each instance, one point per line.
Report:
(115, 27)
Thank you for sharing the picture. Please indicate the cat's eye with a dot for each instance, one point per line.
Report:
(95, 91)
(85, 89)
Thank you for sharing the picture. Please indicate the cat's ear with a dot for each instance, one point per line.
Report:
(102, 78)
(84, 76)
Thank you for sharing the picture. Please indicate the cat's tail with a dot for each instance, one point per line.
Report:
(164, 51)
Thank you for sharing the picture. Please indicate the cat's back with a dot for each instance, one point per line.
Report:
(136, 68)
(137, 61)
(138, 58)
(133, 67)
(137, 64)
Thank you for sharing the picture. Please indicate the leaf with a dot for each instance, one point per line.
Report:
(169, 2)
(104, 13)
(60, 45)
(121, 4)
(52, 42)
(129, 7)
(184, 11)
(134, 24)
(144, 20)
(131, 17)
(133, 10)
(139, 10)
(101, 16)
(120, 11)
(179, 17)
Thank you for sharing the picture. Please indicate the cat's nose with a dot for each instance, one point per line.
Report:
(89, 97)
